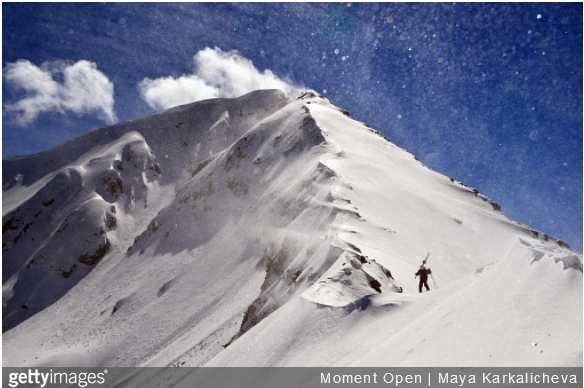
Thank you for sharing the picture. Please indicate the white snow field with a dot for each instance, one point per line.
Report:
(268, 231)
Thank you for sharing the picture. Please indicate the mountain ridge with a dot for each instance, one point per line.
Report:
(213, 220)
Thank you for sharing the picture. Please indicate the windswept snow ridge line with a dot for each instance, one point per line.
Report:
(267, 231)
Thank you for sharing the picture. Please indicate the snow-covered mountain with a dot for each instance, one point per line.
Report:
(267, 231)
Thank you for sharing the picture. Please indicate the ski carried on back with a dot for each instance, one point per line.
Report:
(426, 259)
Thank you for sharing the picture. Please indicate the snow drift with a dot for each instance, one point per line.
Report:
(266, 231)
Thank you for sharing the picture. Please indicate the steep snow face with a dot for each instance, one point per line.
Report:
(65, 209)
(257, 230)
(53, 238)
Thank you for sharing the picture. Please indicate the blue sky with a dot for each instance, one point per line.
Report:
(488, 94)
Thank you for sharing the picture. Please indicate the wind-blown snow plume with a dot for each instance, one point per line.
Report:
(84, 90)
(217, 74)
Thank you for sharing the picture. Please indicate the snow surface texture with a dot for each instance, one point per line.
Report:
(265, 231)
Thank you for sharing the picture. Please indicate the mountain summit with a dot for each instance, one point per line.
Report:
(267, 231)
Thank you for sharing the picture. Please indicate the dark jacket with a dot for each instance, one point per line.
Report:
(423, 273)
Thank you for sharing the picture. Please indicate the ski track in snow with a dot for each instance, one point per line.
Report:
(264, 231)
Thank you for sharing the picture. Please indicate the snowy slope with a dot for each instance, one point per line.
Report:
(269, 231)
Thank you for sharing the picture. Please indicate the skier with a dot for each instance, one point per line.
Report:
(423, 273)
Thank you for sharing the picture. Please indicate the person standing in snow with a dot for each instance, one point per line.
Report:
(423, 273)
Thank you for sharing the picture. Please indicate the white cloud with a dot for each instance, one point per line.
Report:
(163, 93)
(233, 74)
(217, 74)
(83, 90)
